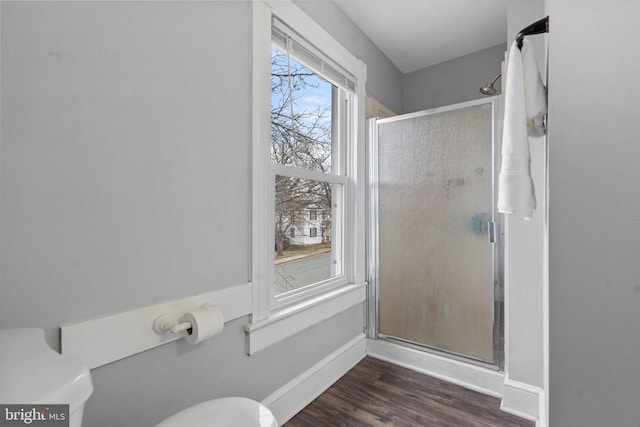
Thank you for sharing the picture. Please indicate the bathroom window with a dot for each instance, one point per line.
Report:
(307, 157)
(310, 113)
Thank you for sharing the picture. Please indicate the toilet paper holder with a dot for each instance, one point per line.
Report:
(163, 324)
(167, 323)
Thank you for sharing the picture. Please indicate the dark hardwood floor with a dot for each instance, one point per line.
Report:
(377, 393)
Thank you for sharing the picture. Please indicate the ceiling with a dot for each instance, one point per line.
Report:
(415, 34)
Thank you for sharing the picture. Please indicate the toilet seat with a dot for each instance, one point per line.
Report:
(223, 412)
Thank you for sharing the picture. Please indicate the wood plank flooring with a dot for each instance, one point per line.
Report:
(377, 393)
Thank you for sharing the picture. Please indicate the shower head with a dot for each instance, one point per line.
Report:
(489, 89)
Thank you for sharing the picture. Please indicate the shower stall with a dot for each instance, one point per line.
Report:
(433, 242)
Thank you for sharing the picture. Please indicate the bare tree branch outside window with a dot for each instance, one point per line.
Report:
(300, 137)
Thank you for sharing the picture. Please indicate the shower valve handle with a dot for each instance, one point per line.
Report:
(491, 227)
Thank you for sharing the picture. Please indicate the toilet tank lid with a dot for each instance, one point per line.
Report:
(32, 373)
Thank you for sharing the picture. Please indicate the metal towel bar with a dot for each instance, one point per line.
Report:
(538, 27)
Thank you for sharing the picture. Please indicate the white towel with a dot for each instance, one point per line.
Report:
(525, 105)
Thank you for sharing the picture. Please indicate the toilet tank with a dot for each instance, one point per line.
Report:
(32, 373)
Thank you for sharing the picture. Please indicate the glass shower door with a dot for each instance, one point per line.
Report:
(435, 229)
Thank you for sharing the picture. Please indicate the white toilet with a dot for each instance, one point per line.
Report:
(223, 412)
(32, 373)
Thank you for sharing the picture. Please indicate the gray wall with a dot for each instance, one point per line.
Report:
(594, 148)
(384, 80)
(125, 180)
(454, 81)
(121, 134)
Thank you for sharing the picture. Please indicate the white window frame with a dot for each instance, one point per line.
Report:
(272, 322)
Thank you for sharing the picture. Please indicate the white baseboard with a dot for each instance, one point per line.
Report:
(523, 400)
(469, 376)
(291, 398)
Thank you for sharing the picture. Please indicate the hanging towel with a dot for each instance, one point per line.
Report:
(525, 106)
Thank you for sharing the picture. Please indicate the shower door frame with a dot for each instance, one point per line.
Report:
(372, 244)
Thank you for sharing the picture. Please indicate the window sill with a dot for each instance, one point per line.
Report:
(287, 322)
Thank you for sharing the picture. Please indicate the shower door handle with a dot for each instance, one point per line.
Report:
(491, 228)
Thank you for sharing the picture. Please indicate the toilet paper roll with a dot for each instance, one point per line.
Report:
(206, 322)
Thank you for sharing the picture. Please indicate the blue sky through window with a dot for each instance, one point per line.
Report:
(298, 91)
